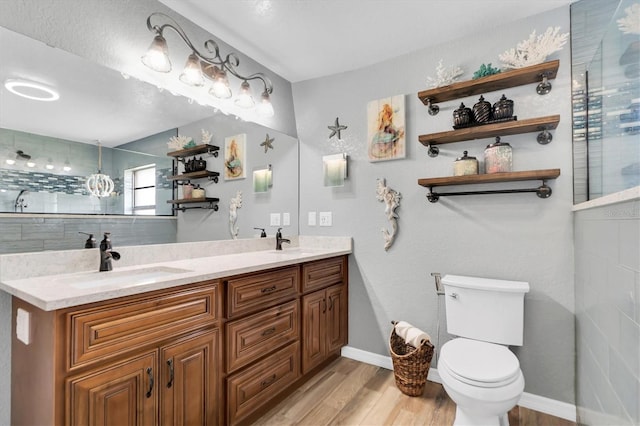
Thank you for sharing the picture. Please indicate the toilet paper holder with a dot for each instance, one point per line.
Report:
(438, 279)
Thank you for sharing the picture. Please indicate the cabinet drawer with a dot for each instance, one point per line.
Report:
(255, 292)
(111, 329)
(250, 338)
(252, 388)
(323, 273)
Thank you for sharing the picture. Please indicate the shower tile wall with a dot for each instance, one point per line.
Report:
(607, 289)
(40, 233)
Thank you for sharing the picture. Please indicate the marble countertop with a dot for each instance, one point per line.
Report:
(61, 290)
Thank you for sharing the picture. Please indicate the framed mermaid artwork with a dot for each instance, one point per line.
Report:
(235, 157)
(386, 124)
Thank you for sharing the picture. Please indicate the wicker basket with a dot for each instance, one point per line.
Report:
(410, 365)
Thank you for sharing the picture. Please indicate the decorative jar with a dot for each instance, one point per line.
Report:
(187, 191)
(462, 116)
(198, 192)
(482, 110)
(503, 108)
(465, 165)
(498, 157)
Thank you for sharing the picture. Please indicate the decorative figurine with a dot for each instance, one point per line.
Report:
(336, 129)
(391, 199)
(234, 205)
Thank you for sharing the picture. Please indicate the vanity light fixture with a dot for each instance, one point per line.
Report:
(205, 66)
(31, 90)
(67, 166)
(49, 165)
(99, 184)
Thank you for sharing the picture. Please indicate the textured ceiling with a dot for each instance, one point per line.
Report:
(304, 39)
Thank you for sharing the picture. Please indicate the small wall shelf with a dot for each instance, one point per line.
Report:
(542, 191)
(196, 175)
(198, 149)
(541, 124)
(503, 80)
(195, 203)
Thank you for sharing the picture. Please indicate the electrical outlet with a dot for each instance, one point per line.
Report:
(311, 219)
(286, 219)
(325, 219)
(275, 219)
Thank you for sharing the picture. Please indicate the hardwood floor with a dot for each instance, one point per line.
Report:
(349, 392)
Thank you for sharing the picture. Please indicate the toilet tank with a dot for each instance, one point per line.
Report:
(485, 309)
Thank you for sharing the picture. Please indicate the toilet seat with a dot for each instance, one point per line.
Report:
(480, 364)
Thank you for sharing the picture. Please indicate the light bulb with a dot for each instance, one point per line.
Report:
(10, 161)
(31, 164)
(192, 73)
(220, 88)
(265, 108)
(244, 99)
(157, 57)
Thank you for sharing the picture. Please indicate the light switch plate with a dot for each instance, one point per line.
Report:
(326, 219)
(311, 221)
(286, 219)
(275, 219)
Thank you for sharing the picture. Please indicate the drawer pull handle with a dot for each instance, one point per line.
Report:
(267, 382)
(268, 289)
(330, 303)
(324, 306)
(269, 331)
(150, 374)
(170, 364)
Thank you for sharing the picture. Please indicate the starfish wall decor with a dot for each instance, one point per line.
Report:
(268, 143)
(336, 129)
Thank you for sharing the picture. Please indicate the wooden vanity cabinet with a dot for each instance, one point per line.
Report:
(140, 360)
(324, 312)
(176, 357)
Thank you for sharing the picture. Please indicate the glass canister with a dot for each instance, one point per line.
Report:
(498, 157)
(465, 165)
(187, 190)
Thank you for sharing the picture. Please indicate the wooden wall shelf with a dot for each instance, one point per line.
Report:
(503, 80)
(542, 191)
(196, 175)
(198, 149)
(491, 130)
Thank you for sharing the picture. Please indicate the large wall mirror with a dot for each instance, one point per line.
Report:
(48, 149)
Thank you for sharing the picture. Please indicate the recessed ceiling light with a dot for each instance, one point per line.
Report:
(31, 90)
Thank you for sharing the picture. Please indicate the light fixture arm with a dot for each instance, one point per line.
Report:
(228, 64)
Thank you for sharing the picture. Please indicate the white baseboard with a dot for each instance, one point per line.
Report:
(528, 400)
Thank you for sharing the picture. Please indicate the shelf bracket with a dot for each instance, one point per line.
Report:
(213, 152)
(433, 151)
(544, 86)
(545, 136)
(433, 109)
(213, 178)
(543, 191)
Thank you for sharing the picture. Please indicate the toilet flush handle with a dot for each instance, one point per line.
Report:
(453, 295)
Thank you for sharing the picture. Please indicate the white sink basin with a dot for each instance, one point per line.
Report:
(123, 278)
(296, 251)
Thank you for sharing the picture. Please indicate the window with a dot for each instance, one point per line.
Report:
(141, 191)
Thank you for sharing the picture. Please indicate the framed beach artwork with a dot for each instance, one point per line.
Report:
(235, 157)
(385, 129)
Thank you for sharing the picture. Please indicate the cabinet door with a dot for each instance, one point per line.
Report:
(337, 326)
(314, 307)
(121, 395)
(190, 381)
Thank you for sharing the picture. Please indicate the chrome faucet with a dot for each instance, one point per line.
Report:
(20, 201)
(106, 254)
(280, 240)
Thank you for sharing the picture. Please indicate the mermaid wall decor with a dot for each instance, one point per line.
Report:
(391, 199)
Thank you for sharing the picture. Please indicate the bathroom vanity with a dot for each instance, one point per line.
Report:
(217, 350)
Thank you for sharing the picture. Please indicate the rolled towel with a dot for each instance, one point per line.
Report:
(412, 336)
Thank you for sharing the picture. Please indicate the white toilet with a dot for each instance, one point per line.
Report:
(480, 374)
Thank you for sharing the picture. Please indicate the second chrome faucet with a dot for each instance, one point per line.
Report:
(280, 240)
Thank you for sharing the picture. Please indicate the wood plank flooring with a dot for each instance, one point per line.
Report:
(349, 392)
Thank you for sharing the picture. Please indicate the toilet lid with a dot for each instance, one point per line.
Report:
(480, 363)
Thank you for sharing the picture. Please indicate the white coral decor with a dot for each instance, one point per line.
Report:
(534, 50)
(444, 76)
(630, 24)
(176, 143)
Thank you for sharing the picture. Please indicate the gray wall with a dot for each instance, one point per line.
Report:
(607, 288)
(518, 237)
